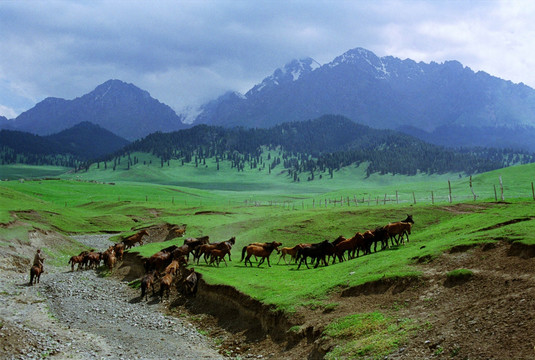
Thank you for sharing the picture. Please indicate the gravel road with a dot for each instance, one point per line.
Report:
(80, 315)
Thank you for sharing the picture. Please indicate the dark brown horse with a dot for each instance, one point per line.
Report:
(35, 274)
(195, 243)
(147, 282)
(132, 240)
(92, 259)
(205, 249)
(190, 282)
(119, 250)
(77, 259)
(317, 251)
(262, 251)
(158, 261)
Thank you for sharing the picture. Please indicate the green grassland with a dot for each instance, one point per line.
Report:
(259, 207)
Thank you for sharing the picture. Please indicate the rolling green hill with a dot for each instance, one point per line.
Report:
(296, 152)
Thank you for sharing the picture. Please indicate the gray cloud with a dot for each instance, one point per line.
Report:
(187, 52)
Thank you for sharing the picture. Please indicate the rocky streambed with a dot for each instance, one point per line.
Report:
(82, 315)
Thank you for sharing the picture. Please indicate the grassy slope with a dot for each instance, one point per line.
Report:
(256, 206)
(77, 206)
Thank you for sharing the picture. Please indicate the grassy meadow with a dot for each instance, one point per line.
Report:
(255, 206)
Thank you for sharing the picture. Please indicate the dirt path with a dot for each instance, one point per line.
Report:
(81, 315)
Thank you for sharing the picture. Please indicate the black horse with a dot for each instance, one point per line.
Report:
(318, 252)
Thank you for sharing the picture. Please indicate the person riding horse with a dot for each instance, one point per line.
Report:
(39, 259)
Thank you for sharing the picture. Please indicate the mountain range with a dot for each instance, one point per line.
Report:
(121, 108)
(446, 104)
(424, 100)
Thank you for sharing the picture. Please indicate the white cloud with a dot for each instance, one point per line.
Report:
(7, 112)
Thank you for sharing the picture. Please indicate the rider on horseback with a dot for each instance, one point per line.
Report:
(39, 259)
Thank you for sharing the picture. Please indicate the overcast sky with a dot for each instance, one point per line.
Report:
(188, 52)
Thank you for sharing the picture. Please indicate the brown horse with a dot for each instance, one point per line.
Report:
(173, 267)
(206, 249)
(399, 229)
(119, 250)
(219, 254)
(263, 252)
(77, 259)
(292, 251)
(132, 240)
(190, 282)
(158, 261)
(165, 285)
(179, 231)
(92, 260)
(352, 245)
(195, 243)
(35, 274)
(111, 261)
(147, 282)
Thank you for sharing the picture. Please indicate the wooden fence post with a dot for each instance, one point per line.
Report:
(397, 197)
(414, 197)
(501, 187)
(432, 197)
(449, 187)
(495, 194)
(472, 188)
(384, 201)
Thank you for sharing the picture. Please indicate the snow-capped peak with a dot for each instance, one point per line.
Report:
(362, 56)
(292, 71)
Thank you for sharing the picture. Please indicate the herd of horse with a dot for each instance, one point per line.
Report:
(168, 267)
(338, 248)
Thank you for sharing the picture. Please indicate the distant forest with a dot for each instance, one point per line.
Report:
(323, 145)
(72, 147)
(17, 147)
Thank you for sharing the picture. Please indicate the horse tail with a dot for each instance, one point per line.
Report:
(243, 253)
